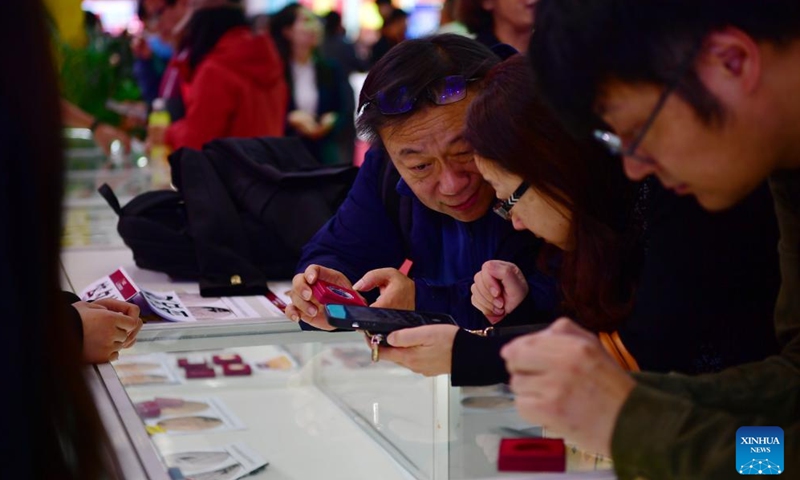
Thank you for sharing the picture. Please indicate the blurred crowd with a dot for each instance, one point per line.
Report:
(218, 73)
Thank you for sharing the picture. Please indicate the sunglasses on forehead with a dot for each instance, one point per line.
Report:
(450, 89)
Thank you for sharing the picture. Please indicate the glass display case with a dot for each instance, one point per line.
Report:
(88, 220)
(311, 404)
(303, 405)
(221, 398)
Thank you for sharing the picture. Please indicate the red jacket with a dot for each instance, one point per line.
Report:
(238, 90)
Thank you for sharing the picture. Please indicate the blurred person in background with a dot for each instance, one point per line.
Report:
(320, 104)
(154, 49)
(393, 32)
(260, 23)
(335, 46)
(69, 37)
(54, 430)
(499, 21)
(232, 79)
(385, 9)
(448, 19)
(164, 24)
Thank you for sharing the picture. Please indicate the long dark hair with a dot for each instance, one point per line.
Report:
(281, 20)
(507, 124)
(205, 29)
(52, 427)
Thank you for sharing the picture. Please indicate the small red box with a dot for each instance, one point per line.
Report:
(532, 455)
(200, 373)
(236, 369)
(187, 363)
(196, 366)
(326, 293)
(148, 409)
(226, 359)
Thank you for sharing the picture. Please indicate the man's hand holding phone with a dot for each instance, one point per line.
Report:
(305, 306)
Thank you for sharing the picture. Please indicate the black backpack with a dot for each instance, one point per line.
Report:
(241, 214)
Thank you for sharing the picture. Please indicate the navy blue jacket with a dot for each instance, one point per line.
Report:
(446, 253)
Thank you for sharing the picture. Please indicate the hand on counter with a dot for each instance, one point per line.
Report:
(108, 326)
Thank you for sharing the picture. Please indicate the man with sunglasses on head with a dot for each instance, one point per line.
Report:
(419, 197)
(703, 95)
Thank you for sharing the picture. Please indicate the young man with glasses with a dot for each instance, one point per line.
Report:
(420, 197)
(713, 121)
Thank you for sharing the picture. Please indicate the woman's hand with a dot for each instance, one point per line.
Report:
(499, 288)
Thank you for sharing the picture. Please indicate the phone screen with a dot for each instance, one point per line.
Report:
(381, 319)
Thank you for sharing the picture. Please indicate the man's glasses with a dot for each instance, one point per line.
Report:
(450, 89)
(503, 207)
(614, 143)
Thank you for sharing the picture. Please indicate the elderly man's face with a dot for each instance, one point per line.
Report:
(429, 151)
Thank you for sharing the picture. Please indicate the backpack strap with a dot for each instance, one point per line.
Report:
(397, 206)
(614, 347)
(108, 194)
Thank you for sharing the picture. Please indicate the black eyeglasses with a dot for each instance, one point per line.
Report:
(450, 89)
(503, 207)
(613, 142)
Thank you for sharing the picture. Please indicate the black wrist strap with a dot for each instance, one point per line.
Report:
(94, 125)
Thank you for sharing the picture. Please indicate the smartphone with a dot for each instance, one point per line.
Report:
(326, 293)
(381, 320)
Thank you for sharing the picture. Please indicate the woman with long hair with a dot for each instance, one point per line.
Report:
(571, 193)
(319, 111)
(52, 427)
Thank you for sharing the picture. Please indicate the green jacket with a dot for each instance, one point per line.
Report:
(682, 427)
